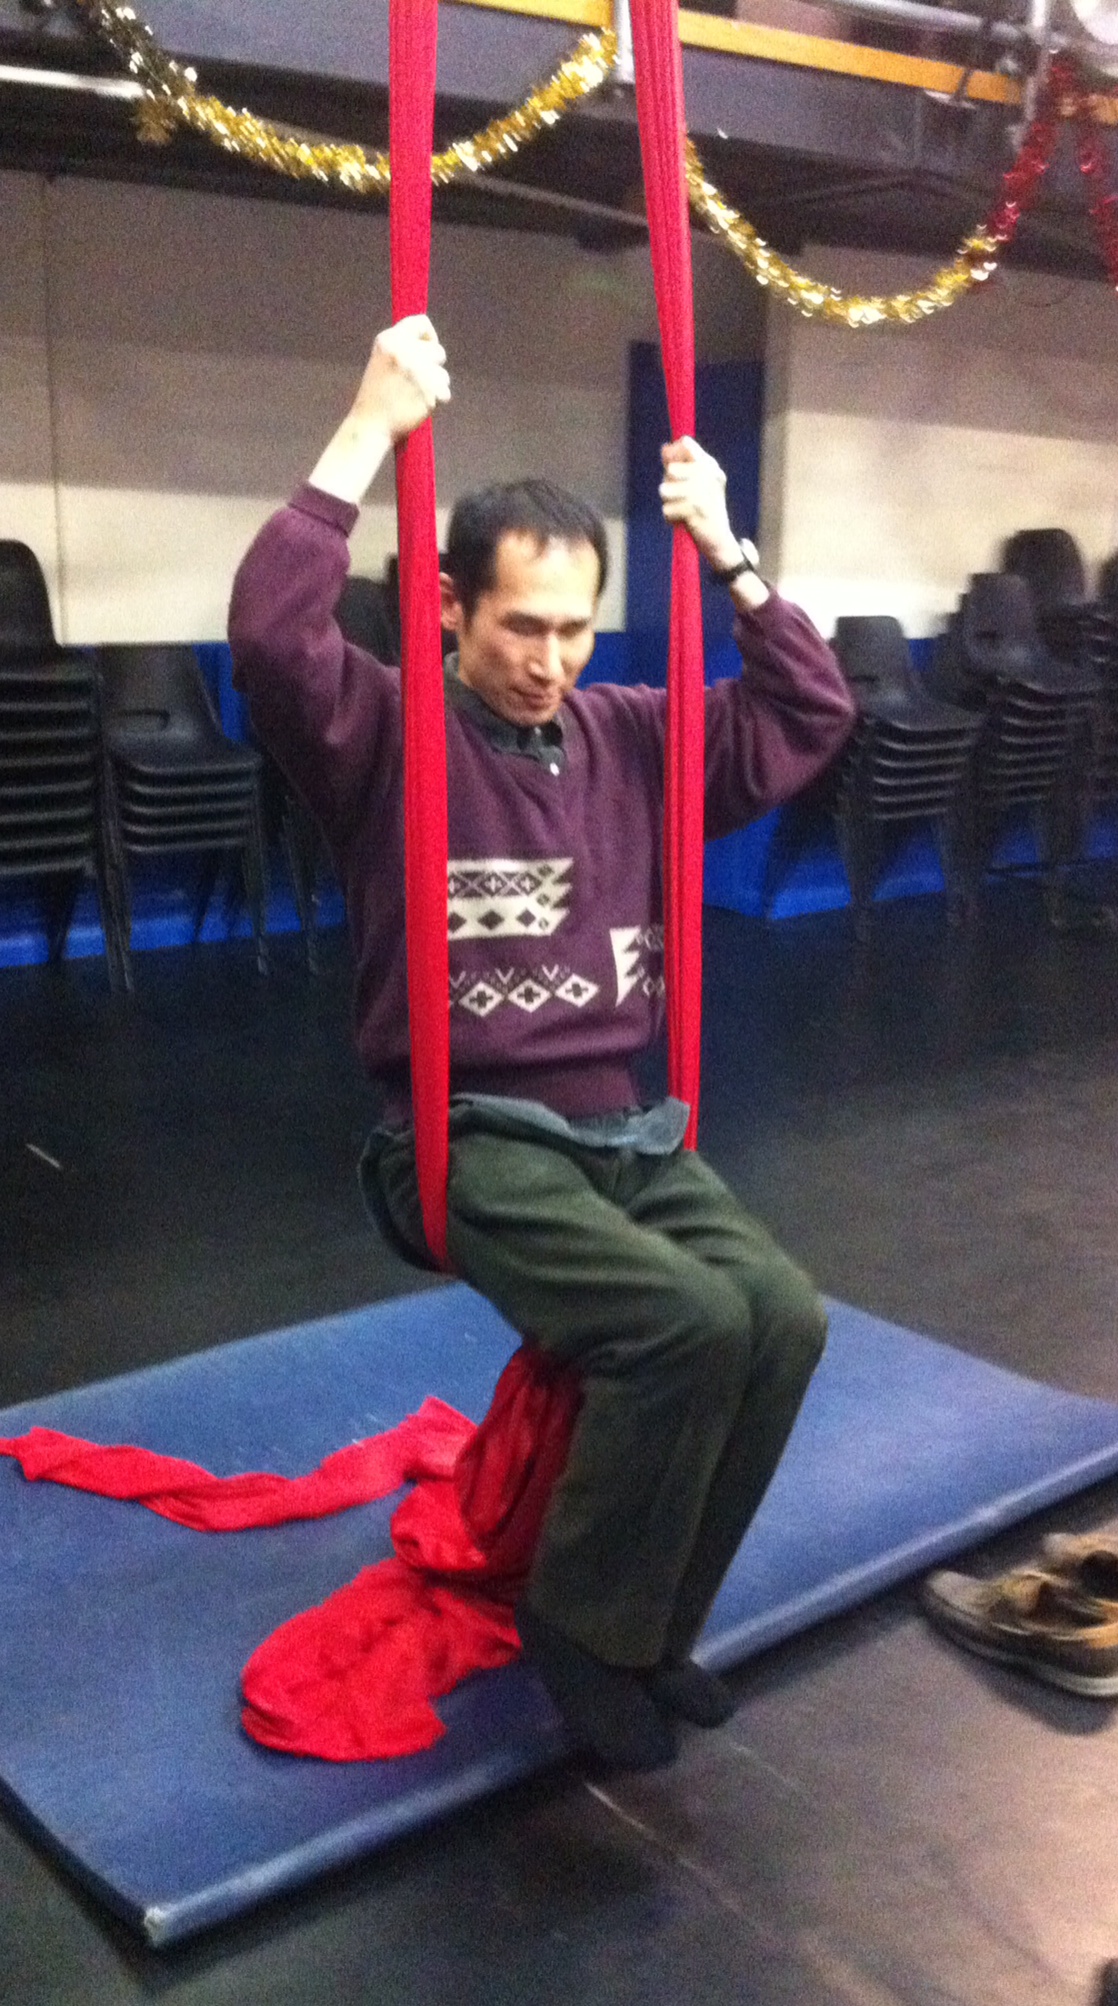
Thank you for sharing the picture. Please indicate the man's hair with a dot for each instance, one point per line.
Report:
(517, 508)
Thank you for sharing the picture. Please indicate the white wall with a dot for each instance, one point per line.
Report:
(27, 489)
(171, 365)
(899, 459)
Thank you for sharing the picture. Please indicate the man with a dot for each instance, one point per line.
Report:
(570, 1206)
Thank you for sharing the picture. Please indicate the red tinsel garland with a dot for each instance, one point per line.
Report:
(1021, 181)
(1069, 95)
(1095, 167)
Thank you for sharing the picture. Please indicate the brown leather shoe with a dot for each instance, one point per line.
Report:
(1033, 1620)
(1087, 1561)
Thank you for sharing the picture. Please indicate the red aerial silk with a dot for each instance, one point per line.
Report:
(413, 31)
(413, 42)
(353, 1679)
(658, 67)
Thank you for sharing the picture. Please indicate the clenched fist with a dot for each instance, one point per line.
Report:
(405, 378)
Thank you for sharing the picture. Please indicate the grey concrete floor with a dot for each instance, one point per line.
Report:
(931, 1124)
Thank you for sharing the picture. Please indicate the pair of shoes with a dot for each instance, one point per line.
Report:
(683, 1688)
(1041, 1621)
(607, 1707)
(1086, 1560)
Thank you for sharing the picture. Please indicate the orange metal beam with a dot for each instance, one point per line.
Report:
(781, 45)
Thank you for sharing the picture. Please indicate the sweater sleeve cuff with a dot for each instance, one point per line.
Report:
(326, 508)
(765, 619)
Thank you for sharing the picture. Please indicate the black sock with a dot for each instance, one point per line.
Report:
(682, 1687)
(608, 1708)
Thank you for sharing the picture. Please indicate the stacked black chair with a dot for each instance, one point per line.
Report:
(1101, 654)
(1079, 629)
(55, 828)
(26, 627)
(906, 761)
(1105, 660)
(368, 613)
(1034, 749)
(179, 784)
(1051, 564)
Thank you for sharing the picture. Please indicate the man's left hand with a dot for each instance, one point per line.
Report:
(693, 493)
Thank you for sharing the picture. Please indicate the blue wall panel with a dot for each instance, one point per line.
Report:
(788, 862)
(729, 409)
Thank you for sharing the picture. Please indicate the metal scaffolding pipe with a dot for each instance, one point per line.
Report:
(623, 29)
(949, 21)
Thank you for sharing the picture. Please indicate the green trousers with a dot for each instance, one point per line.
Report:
(695, 1338)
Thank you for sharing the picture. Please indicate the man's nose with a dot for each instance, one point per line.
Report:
(548, 659)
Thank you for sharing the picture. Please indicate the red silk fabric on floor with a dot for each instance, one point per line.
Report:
(353, 1679)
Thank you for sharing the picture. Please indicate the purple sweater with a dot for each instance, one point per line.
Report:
(555, 910)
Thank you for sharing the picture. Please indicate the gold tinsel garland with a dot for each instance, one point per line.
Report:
(974, 261)
(171, 99)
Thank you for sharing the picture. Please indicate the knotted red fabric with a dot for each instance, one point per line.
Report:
(658, 67)
(413, 45)
(353, 1679)
(427, 1444)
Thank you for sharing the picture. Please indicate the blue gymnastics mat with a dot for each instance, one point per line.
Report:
(123, 1635)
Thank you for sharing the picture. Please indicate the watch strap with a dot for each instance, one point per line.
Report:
(729, 572)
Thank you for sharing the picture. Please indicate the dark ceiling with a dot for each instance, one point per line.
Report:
(803, 154)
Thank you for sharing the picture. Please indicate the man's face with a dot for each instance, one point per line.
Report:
(530, 636)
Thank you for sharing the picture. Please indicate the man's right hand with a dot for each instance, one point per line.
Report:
(405, 378)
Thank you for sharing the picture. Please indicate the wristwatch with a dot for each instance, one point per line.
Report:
(746, 562)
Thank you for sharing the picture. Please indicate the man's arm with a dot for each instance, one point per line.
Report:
(317, 703)
(405, 378)
(772, 729)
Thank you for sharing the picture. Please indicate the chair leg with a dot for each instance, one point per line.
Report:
(207, 879)
(118, 905)
(977, 830)
(113, 891)
(952, 844)
(255, 867)
(1062, 832)
(114, 926)
(60, 898)
(859, 855)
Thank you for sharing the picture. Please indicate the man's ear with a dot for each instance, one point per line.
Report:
(452, 613)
